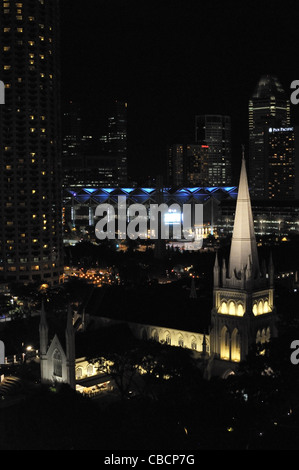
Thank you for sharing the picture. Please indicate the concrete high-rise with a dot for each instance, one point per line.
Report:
(269, 106)
(214, 131)
(30, 153)
(116, 144)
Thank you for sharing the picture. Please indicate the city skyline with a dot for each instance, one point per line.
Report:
(170, 69)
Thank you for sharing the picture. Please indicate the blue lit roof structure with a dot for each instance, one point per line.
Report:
(143, 195)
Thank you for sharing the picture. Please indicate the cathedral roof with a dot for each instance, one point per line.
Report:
(163, 305)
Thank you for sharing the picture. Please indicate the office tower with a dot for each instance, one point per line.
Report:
(71, 143)
(175, 165)
(280, 171)
(71, 131)
(116, 143)
(187, 165)
(30, 168)
(269, 106)
(214, 131)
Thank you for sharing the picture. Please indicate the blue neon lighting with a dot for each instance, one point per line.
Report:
(128, 190)
(192, 190)
(148, 190)
(89, 190)
(108, 190)
(230, 188)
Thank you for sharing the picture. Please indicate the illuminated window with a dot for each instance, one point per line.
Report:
(57, 364)
(224, 308)
(232, 308)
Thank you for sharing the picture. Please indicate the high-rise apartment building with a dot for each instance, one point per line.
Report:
(281, 166)
(30, 163)
(269, 106)
(214, 131)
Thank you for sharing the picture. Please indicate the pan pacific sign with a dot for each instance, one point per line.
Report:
(2, 93)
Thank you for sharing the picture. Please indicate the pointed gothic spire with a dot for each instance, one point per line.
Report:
(193, 294)
(243, 241)
(216, 270)
(43, 330)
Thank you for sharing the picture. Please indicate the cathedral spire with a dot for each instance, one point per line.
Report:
(43, 330)
(243, 243)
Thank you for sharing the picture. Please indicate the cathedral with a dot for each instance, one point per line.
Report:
(243, 314)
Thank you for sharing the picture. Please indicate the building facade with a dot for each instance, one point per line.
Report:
(116, 141)
(281, 168)
(187, 165)
(269, 107)
(243, 313)
(214, 133)
(30, 154)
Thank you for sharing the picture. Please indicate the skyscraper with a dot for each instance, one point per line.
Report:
(187, 165)
(269, 106)
(30, 163)
(281, 166)
(214, 131)
(116, 144)
(72, 132)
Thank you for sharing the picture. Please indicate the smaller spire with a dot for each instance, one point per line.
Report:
(216, 270)
(193, 294)
(271, 270)
(224, 271)
(69, 323)
(43, 318)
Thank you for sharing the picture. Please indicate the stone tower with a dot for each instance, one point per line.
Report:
(243, 296)
(57, 363)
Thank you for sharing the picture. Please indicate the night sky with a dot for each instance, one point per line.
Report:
(172, 60)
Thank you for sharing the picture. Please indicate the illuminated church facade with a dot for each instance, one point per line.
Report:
(243, 312)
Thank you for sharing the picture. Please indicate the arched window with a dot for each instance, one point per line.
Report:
(263, 339)
(155, 335)
(240, 311)
(260, 307)
(193, 343)
(89, 370)
(258, 337)
(236, 346)
(181, 341)
(224, 344)
(268, 334)
(79, 373)
(232, 308)
(224, 308)
(254, 309)
(266, 307)
(168, 338)
(57, 363)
